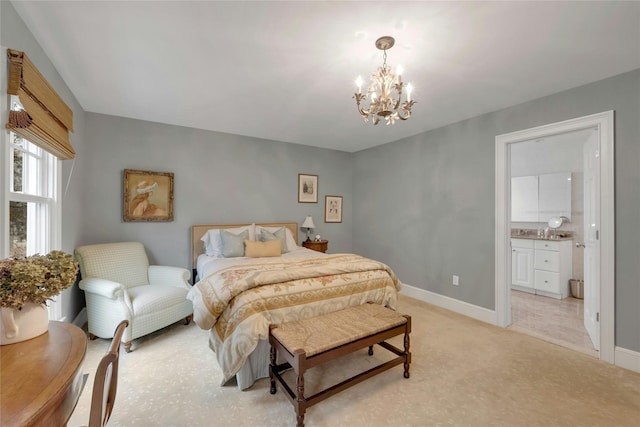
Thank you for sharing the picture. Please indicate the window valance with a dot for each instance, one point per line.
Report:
(45, 120)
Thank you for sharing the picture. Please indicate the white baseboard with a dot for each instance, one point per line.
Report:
(627, 359)
(624, 358)
(470, 310)
(81, 319)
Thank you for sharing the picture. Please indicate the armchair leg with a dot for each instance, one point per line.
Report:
(127, 346)
(188, 319)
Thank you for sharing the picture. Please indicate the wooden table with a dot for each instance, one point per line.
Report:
(41, 378)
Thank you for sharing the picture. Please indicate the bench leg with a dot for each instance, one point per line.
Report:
(272, 366)
(370, 350)
(407, 353)
(301, 404)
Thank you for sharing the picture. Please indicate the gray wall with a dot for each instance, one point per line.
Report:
(425, 204)
(15, 35)
(218, 178)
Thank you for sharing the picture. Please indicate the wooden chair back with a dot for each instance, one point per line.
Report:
(106, 381)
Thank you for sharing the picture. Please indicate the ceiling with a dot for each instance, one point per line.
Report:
(285, 70)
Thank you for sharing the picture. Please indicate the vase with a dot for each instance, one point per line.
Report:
(21, 325)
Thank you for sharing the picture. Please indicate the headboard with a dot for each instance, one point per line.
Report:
(197, 231)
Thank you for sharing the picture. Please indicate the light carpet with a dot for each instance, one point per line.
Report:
(464, 373)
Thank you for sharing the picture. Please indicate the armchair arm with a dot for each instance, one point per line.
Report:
(162, 275)
(102, 287)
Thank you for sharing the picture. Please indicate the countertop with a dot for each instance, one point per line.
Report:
(560, 237)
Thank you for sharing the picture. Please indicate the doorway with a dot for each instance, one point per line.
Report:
(547, 189)
(601, 227)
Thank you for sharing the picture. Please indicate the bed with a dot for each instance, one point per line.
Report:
(236, 297)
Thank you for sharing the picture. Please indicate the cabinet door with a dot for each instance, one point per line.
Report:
(522, 267)
(554, 195)
(524, 199)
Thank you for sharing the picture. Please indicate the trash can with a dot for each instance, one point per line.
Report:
(577, 288)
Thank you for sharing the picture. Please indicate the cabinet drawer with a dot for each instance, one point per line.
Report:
(547, 281)
(547, 260)
(547, 245)
(522, 243)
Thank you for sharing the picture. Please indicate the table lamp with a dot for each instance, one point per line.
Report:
(308, 224)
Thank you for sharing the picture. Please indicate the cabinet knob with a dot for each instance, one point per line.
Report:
(546, 260)
(546, 281)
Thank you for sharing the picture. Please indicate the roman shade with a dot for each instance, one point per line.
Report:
(45, 120)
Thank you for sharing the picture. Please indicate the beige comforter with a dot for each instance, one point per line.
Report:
(238, 303)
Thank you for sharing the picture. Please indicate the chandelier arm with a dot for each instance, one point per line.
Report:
(359, 97)
(405, 117)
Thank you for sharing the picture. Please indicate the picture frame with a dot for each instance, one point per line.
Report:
(307, 188)
(147, 196)
(332, 208)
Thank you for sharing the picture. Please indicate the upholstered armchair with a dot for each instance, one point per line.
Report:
(119, 284)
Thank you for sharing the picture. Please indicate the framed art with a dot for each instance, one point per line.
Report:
(148, 196)
(332, 208)
(307, 188)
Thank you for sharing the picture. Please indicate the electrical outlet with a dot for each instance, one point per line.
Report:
(456, 280)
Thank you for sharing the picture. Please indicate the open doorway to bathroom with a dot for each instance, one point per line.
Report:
(547, 238)
(598, 305)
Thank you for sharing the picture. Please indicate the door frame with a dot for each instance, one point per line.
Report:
(604, 124)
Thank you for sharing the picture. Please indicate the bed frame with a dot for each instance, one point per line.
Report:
(197, 231)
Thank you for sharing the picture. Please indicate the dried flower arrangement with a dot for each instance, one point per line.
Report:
(35, 279)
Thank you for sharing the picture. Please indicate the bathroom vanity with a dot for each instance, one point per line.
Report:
(541, 266)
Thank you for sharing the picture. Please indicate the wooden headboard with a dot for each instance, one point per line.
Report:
(197, 231)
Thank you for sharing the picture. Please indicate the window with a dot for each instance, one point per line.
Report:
(31, 151)
(33, 199)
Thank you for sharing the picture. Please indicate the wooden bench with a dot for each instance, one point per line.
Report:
(310, 342)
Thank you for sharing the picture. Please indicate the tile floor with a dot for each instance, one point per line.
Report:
(556, 320)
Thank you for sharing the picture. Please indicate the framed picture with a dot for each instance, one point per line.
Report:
(307, 188)
(332, 208)
(148, 196)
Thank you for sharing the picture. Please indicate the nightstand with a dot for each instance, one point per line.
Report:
(320, 245)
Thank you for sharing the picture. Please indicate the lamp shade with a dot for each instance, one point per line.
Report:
(308, 222)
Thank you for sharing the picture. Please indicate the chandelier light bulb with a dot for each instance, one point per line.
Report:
(359, 84)
(386, 89)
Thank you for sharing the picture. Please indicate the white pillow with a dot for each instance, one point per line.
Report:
(213, 241)
(289, 240)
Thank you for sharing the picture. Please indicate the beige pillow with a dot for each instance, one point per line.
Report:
(262, 249)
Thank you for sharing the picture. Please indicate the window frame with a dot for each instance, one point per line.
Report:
(49, 237)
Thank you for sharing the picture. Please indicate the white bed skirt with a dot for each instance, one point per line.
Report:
(256, 366)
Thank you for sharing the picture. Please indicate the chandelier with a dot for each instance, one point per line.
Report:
(385, 91)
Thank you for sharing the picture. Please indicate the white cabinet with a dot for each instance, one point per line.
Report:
(542, 267)
(552, 267)
(538, 198)
(522, 251)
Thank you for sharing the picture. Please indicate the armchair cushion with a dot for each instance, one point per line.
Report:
(147, 299)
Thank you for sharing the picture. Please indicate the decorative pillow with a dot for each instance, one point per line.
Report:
(262, 249)
(290, 242)
(213, 243)
(232, 244)
(279, 234)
